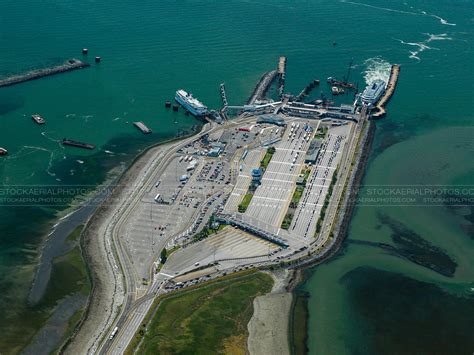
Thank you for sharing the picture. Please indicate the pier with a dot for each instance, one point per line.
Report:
(225, 103)
(71, 64)
(281, 75)
(379, 110)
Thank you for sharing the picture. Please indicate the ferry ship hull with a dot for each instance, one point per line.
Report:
(196, 111)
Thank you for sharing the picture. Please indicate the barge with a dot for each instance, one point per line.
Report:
(77, 144)
(142, 127)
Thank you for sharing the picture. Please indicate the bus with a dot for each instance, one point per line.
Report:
(114, 333)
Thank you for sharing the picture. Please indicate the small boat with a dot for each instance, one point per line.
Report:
(38, 119)
(3, 151)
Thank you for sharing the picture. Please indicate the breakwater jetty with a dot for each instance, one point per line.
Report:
(307, 90)
(262, 86)
(71, 64)
(379, 110)
(281, 75)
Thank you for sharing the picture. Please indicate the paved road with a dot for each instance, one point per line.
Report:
(136, 306)
(128, 317)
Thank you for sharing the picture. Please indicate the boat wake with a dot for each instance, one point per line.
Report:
(419, 13)
(443, 21)
(27, 150)
(51, 139)
(423, 45)
(376, 68)
(381, 8)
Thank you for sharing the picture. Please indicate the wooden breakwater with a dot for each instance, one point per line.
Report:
(379, 110)
(307, 90)
(71, 64)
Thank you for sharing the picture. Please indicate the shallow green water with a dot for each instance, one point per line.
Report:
(403, 281)
(152, 48)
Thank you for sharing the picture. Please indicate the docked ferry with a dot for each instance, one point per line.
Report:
(373, 92)
(193, 105)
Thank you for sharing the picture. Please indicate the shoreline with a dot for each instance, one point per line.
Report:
(54, 244)
(296, 329)
(299, 302)
(95, 244)
(106, 284)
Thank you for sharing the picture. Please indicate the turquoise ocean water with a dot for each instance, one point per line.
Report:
(150, 49)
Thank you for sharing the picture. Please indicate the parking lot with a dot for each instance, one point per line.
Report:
(309, 208)
(229, 243)
(251, 161)
(272, 197)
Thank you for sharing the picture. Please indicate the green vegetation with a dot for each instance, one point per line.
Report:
(207, 231)
(268, 156)
(253, 186)
(295, 199)
(306, 173)
(206, 320)
(163, 256)
(321, 133)
(73, 238)
(245, 202)
(287, 221)
(296, 196)
(326, 203)
(298, 324)
(68, 276)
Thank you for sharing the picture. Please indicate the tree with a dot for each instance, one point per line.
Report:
(164, 255)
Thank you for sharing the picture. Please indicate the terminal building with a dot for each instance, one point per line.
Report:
(313, 151)
(216, 150)
(271, 119)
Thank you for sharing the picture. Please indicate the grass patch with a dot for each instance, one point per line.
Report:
(295, 199)
(206, 232)
(268, 156)
(206, 320)
(245, 202)
(287, 221)
(326, 204)
(322, 133)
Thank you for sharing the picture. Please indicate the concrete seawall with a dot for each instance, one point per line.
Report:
(71, 64)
